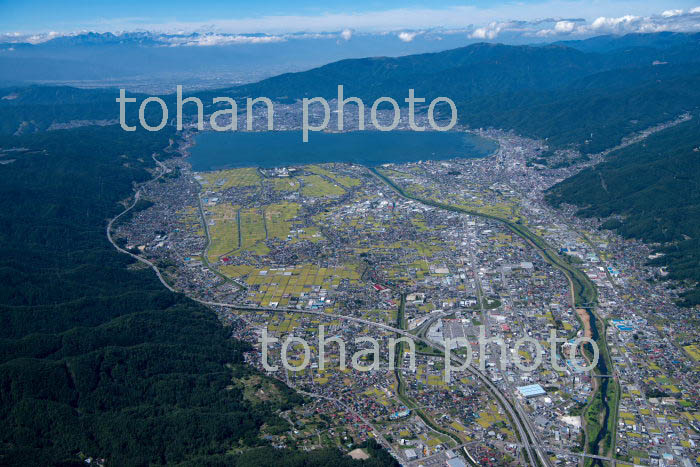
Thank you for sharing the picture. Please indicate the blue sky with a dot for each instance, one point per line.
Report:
(280, 16)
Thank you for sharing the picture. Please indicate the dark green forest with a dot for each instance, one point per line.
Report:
(652, 191)
(98, 358)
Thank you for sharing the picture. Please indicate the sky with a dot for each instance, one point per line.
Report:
(482, 19)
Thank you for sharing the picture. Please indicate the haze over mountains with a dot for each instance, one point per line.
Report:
(141, 60)
(149, 61)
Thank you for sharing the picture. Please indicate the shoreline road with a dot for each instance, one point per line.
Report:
(137, 197)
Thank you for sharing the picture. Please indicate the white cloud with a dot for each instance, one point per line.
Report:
(38, 38)
(394, 20)
(220, 39)
(670, 13)
(613, 24)
(518, 19)
(489, 32)
(407, 36)
(564, 27)
(482, 33)
(670, 20)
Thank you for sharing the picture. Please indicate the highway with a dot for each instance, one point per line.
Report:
(525, 432)
(514, 413)
(521, 421)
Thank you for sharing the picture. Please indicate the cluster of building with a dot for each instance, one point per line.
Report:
(334, 245)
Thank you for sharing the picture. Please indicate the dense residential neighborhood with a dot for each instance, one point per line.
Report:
(449, 254)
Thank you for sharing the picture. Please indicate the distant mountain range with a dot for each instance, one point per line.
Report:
(587, 94)
(484, 68)
(194, 59)
(219, 60)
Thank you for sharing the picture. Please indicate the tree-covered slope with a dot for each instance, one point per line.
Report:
(588, 99)
(653, 191)
(466, 73)
(593, 114)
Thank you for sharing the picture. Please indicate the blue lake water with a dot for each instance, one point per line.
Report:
(225, 150)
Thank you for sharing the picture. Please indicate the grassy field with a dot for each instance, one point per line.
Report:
(283, 184)
(315, 186)
(347, 182)
(278, 219)
(224, 232)
(279, 285)
(225, 179)
(693, 351)
(253, 231)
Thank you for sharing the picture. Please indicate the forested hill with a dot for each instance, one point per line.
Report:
(97, 358)
(652, 191)
(478, 70)
(585, 94)
(582, 94)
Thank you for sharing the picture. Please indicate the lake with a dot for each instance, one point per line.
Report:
(224, 150)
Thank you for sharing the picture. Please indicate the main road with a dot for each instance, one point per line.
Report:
(525, 432)
(521, 422)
